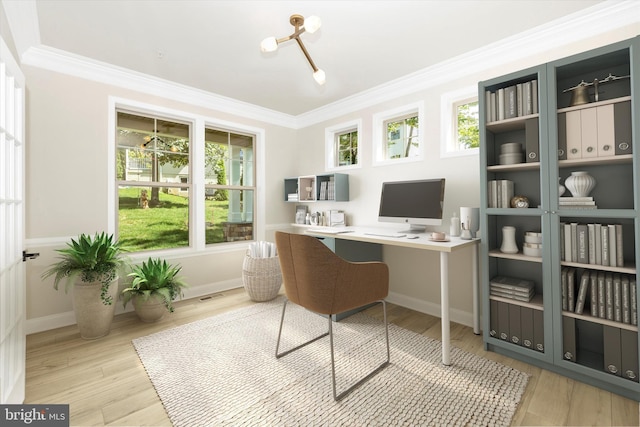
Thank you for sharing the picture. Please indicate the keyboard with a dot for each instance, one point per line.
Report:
(329, 230)
(386, 235)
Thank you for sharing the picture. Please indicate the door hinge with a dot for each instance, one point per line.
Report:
(29, 255)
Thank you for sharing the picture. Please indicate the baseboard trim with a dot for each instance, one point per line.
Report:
(455, 315)
(59, 320)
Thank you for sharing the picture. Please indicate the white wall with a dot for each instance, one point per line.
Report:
(66, 164)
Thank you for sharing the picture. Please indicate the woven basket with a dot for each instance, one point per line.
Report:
(261, 277)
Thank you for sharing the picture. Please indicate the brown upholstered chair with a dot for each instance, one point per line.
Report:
(319, 280)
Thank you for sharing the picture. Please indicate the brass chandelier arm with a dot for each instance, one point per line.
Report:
(304, 50)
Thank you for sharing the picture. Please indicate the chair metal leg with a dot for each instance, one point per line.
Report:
(284, 353)
(338, 397)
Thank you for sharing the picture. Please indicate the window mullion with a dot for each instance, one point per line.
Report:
(197, 188)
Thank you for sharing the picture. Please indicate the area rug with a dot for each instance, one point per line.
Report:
(222, 371)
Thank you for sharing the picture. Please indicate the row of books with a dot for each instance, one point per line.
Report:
(513, 101)
(599, 244)
(610, 296)
(327, 190)
(523, 326)
(512, 288)
(499, 193)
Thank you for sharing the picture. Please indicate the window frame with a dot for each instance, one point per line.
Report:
(196, 160)
(331, 153)
(449, 122)
(380, 131)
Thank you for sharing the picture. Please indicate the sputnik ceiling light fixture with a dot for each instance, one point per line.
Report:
(310, 25)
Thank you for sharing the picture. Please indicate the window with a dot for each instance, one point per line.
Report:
(347, 148)
(161, 162)
(229, 186)
(397, 134)
(342, 145)
(460, 117)
(152, 172)
(402, 137)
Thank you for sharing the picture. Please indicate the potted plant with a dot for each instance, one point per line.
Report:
(91, 264)
(154, 287)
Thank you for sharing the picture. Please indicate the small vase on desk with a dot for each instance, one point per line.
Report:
(509, 245)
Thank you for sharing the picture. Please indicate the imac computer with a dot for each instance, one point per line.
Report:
(416, 203)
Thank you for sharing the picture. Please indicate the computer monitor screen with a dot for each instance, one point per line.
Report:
(417, 203)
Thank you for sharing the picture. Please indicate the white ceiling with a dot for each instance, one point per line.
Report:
(214, 45)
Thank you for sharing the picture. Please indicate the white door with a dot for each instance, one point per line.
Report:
(12, 271)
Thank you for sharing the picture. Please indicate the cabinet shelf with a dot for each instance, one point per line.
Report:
(604, 161)
(536, 302)
(586, 316)
(495, 253)
(508, 125)
(515, 167)
(628, 269)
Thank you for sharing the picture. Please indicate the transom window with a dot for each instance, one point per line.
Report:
(342, 145)
(467, 131)
(347, 148)
(397, 134)
(460, 123)
(403, 137)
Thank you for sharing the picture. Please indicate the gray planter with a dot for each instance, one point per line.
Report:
(151, 310)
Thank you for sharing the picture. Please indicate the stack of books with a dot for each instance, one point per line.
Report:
(512, 288)
(577, 203)
(292, 197)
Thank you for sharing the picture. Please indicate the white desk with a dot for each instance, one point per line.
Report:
(364, 234)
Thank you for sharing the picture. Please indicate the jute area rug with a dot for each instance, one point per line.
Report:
(222, 371)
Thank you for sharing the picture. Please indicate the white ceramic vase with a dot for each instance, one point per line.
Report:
(580, 183)
(561, 188)
(509, 245)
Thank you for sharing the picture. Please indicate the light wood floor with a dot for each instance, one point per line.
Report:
(104, 382)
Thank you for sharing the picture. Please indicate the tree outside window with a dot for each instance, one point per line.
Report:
(402, 137)
(467, 125)
(347, 148)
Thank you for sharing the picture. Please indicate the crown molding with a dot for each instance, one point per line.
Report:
(79, 66)
(596, 20)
